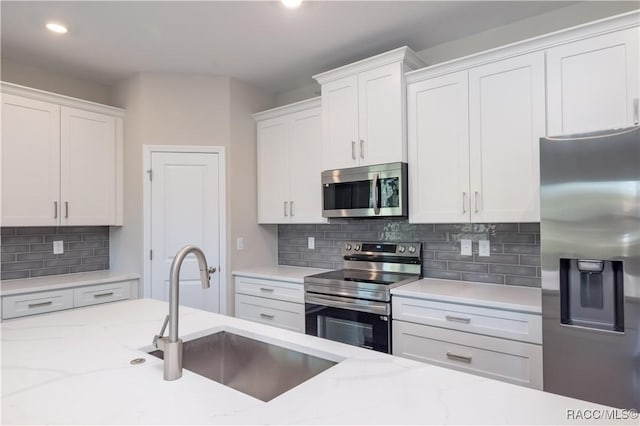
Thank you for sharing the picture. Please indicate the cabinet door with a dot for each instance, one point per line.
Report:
(340, 124)
(88, 148)
(273, 170)
(305, 165)
(506, 121)
(380, 116)
(438, 142)
(593, 83)
(30, 162)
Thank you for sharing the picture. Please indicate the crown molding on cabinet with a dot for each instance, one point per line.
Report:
(287, 109)
(590, 29)
(402, 54)
(68, 101)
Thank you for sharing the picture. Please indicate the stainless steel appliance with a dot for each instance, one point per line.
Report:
(369, 191)
(590, 247)
(353, 305)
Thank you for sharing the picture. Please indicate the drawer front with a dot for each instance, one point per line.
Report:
(500, 359)
(272, 312)
(101, 293)
(491, 322)
(279, 290)
(36, 303)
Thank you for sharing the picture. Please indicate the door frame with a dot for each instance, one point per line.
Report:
(147, 151)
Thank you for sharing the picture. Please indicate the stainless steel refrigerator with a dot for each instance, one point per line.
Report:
(590, 258)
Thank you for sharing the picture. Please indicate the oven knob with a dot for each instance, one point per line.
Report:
(348, 247)
(357, 247)
(401, 249)
(412, 249)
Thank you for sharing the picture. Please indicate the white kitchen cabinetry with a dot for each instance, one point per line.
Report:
(473, 142)
(277, 303)
(363, 111)
(592, 84)
(499, 344)
(61, 160)
(289, 164)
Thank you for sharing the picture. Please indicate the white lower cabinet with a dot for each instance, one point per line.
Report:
(494, 343)
(276, 303)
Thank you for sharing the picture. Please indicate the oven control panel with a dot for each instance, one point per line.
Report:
(382, 249)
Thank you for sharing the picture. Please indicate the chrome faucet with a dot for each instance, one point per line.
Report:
(171, 346)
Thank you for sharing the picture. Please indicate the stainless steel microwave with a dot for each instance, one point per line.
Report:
(370, 191)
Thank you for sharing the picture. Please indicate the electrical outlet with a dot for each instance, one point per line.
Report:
(240, 243)
(465, 247)
(58, 247)
(311, 243)
(484, 248)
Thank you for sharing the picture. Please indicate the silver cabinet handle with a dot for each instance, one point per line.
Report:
(460, 358)
(285, 208)
(635, 111)
(353, 150)
(361, 148)
(457, 319)
(55, 209)
(267, 316)
(266, 290)
(476, 200)
(464, 202)
(291, 208)
(97, 296)
(66, 209)
(39, 305)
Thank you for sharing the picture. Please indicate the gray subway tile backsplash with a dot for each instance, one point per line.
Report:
(514, 260)
(28, 252)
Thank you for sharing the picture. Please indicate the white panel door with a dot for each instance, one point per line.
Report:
(340, 123)
(273, 170)
(185, 210)
(438, 140)
(30, 162)
(380, 115)
(305, 165)
(87, 167)
(593, 83)
(506, 121)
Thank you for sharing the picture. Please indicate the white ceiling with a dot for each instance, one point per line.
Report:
(259, 42)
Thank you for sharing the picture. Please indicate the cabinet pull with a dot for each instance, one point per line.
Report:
(353, 150)
(97, 296)
(291, 208)
(460, 358)
(266, 290)
(285, 208)
(476, 200)
(361, 148)
(39, 305)
(66, 209)
(55, 209)
(464, 202)
(457, 319)
(267, 316)
(635, 111)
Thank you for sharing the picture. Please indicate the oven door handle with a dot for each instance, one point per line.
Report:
(378, 308)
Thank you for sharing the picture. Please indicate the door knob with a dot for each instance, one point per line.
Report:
(212, 270)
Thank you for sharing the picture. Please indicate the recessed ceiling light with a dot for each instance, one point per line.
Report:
(56, 28)
(292, 4)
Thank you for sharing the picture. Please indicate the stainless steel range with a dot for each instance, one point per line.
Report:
(353, 305)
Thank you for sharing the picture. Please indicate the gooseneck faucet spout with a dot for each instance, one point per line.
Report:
(171, 346)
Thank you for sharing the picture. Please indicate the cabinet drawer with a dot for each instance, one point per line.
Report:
(491, 322)
(280, 290)
(102, 293)
(273, 312)
(36, 303)
(500, 359)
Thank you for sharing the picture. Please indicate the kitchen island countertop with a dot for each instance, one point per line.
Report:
(73, 367)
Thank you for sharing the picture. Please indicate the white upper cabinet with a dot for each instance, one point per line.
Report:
(593, 83)
(363, 111)
(289, 164)
(61, 160)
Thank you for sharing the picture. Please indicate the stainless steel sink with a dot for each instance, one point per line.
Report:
(259, 369)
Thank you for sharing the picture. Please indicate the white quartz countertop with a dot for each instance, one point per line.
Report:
(73, 367)
(294, 274)
(57, 282)
(508, 297)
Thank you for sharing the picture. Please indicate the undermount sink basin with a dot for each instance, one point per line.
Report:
(256, 368)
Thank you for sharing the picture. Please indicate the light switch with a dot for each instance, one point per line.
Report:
(484, 248)
(58, 247)
(465, 247)
(240, 243)
(311, 243)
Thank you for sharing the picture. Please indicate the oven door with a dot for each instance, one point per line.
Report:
(355, 322)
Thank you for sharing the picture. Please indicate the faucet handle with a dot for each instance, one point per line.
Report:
(157, 337)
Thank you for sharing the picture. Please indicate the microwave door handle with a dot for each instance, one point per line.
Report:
(376, 198)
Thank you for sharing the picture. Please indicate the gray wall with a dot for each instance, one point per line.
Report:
(514, 260)
(28, 252)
